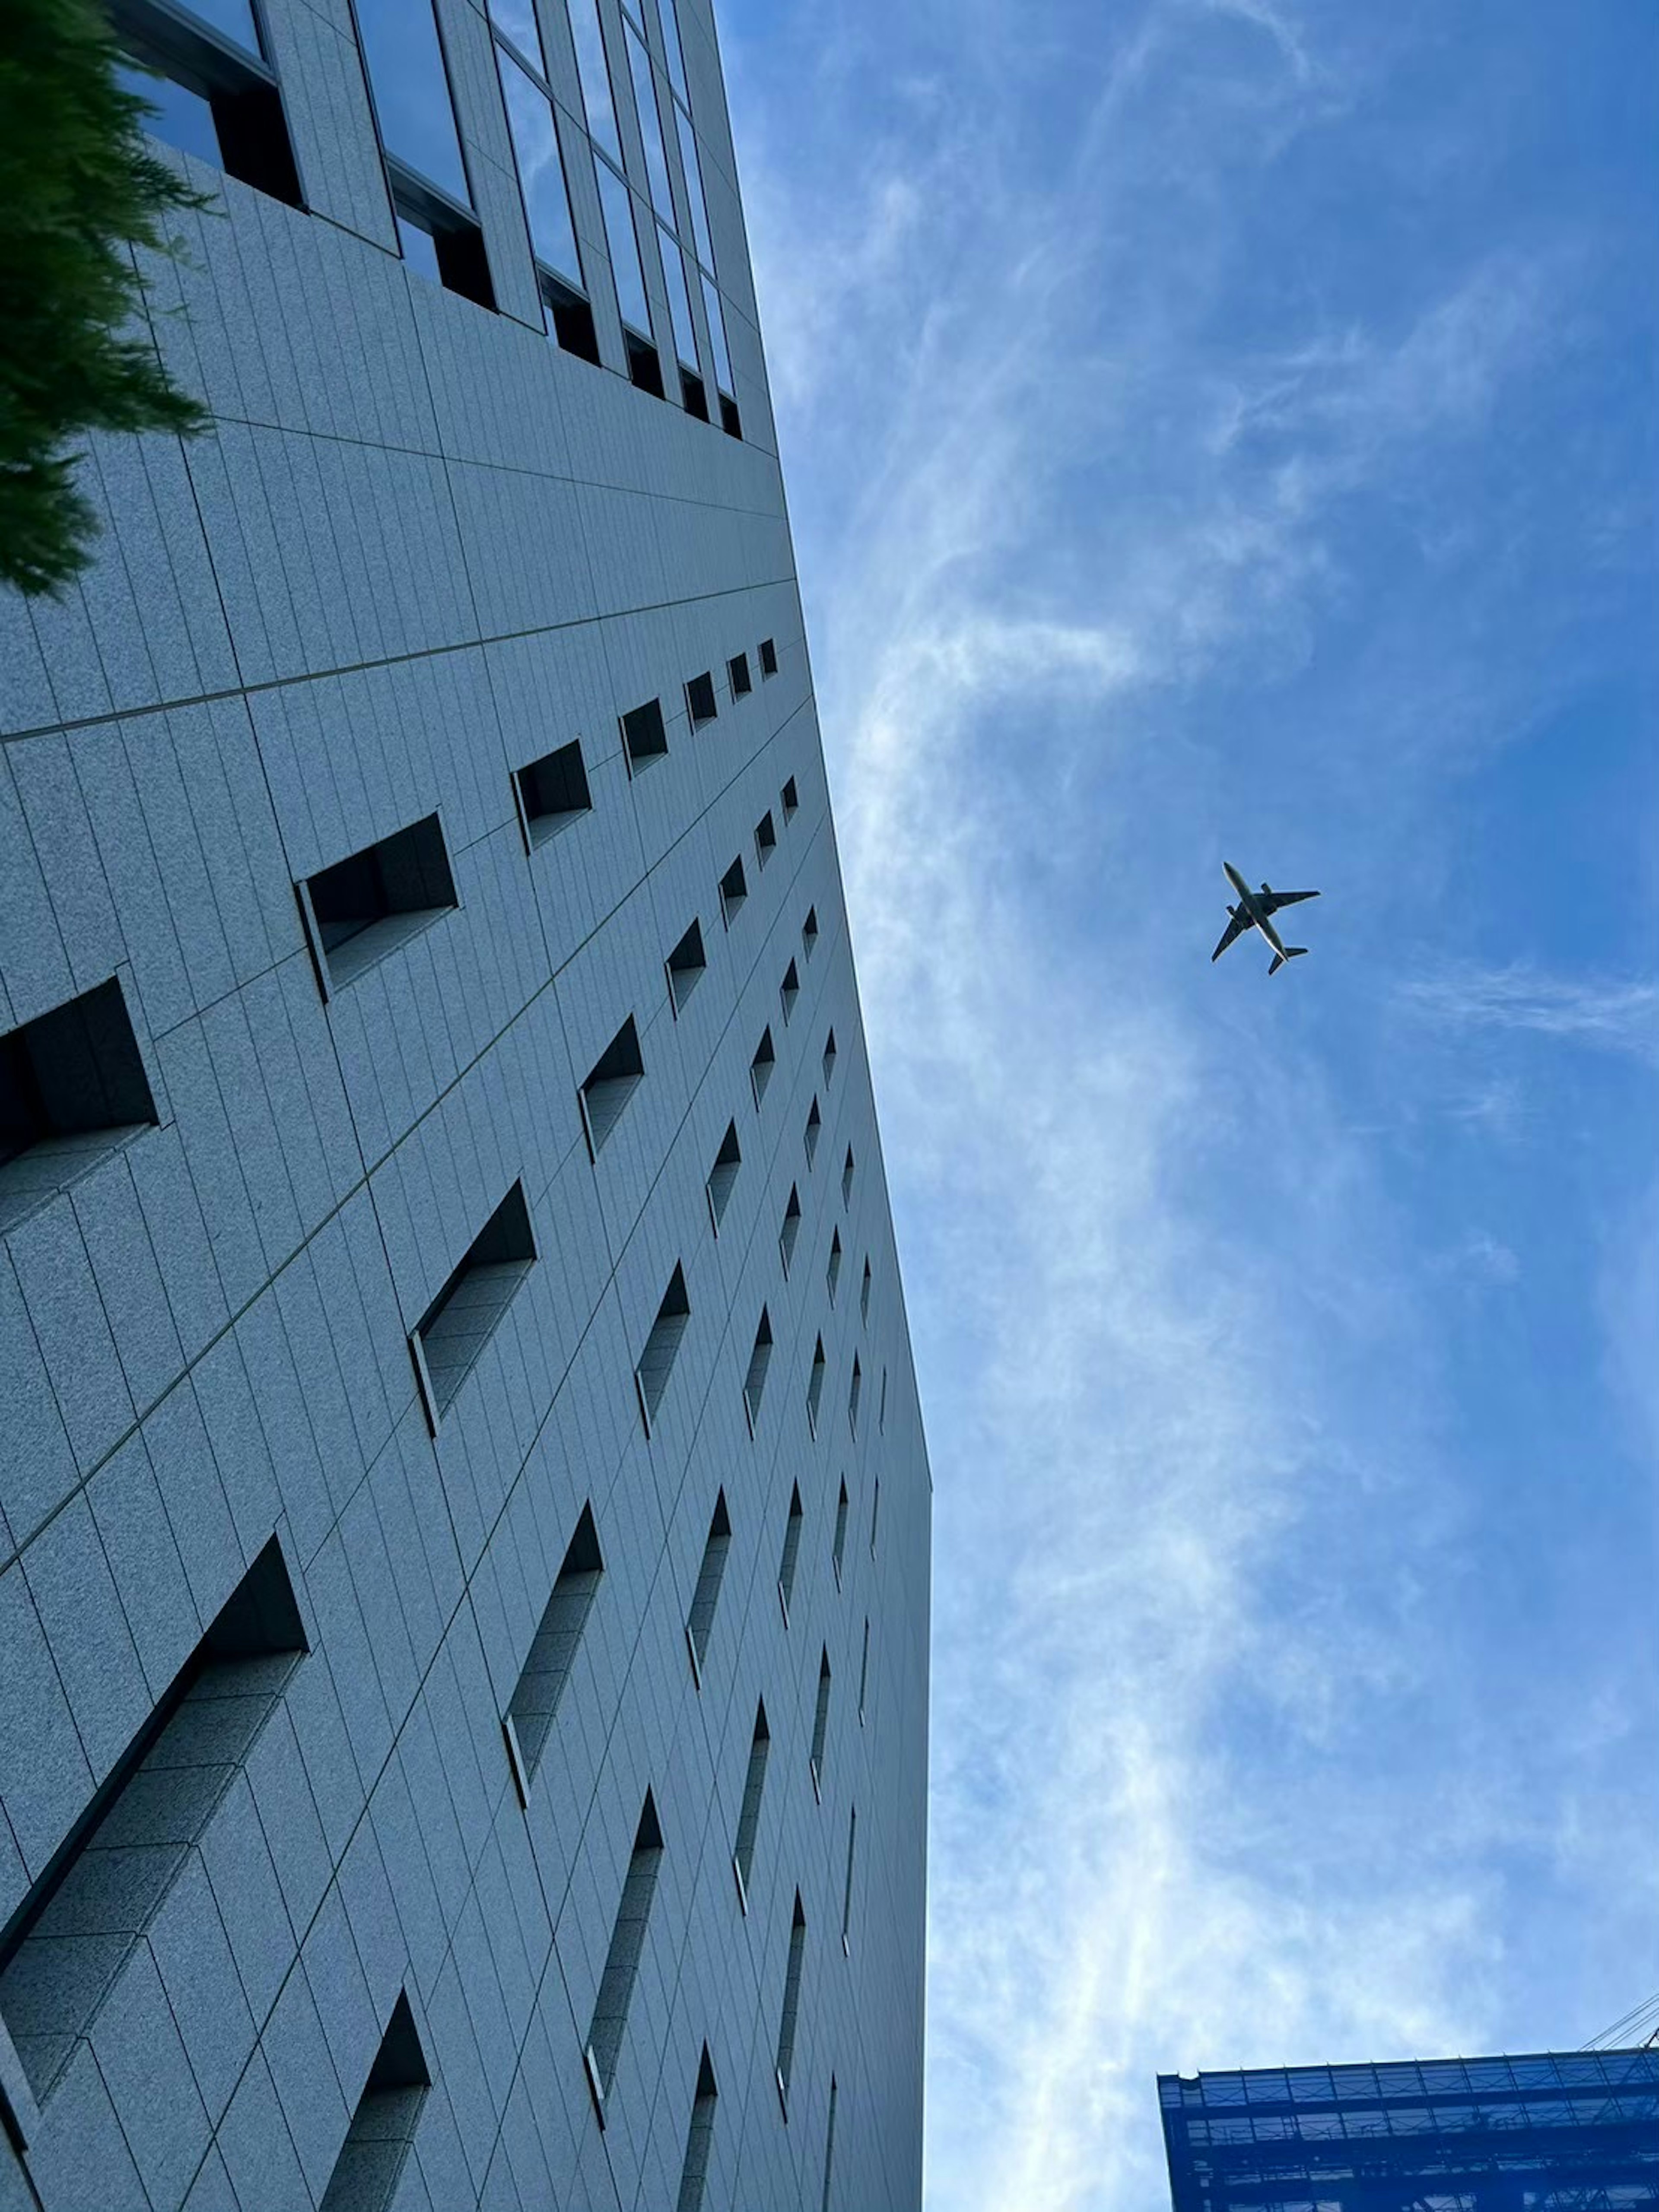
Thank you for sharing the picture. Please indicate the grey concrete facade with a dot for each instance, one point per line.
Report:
(286, 1915)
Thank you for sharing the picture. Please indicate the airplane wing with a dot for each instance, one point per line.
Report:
(1235, 929)
(1273, 900)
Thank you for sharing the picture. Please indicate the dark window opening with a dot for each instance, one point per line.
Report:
(814, 1123)
(699, 2140)
(881, 1416)
(829, 2147)
(611, 1081)
(700, 701)
(572, 318)
(685, 964)
(535, 1701)
(644, 364)
(855, 1390)
(790, 799)
(72, 1089)
(731, 421)
(846, 1178)
(662, 1345)
(734, 890)
(846, 1887)
(693, 394)
(760, 1066)
(366, 905)
(226, 76)
(789, 989)
(644, 735)
(622, 1963)
(792, 1528)
(91, 1902)
(737, 670)
(809, 932)
(833, 1275)
(553, 791)
(790, 2003)
(768, 657)
(766, 838)
(820, 1725)
(439, 237)
(791, 1229)
(839, 1548)
(875, 1515)
(699, 1621)
(382, 2131)
(754, 1785)
(815, 1386)
(864, 1291)
(450, 1337)
(723, 1174)
(753, 1382)
(829, 1056)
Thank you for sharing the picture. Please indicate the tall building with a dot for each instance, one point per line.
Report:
(1557, 2132)
(463, 1510)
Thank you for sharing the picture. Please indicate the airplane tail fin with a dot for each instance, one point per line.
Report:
(1291, 952)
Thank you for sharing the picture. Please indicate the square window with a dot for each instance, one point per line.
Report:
(734, 891)
(644, 735)
(72, 1088)
(700, 701)
(610, 1083)
(450, 1337)
(365, 906)
(737, 670)
(662, 1345)
(686, 965)
(761, 1067)
(723, 1175)
(552, 793)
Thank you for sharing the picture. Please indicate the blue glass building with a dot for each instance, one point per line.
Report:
(1572, 2132)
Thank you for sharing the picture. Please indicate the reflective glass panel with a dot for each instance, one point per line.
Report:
(541, 173)
(693, 187)
(516, 20)
(645, 98)
(596, 78)
(179, 118)
(234, 17)
(711, 300)
(679, 301)
(671, 39)
(617, 203)
(412, 89)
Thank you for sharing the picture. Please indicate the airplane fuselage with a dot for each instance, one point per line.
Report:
(1253, 913)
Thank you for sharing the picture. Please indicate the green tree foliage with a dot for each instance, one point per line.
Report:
(77, 186)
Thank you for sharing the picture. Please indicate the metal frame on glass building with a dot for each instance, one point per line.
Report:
(1551, 2132)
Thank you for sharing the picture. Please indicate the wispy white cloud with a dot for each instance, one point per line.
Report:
(1194, 1538)
(1616, 1016)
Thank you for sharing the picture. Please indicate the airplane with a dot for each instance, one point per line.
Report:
(1254, 911)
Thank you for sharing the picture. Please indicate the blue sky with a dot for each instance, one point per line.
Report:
(1227, 428)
